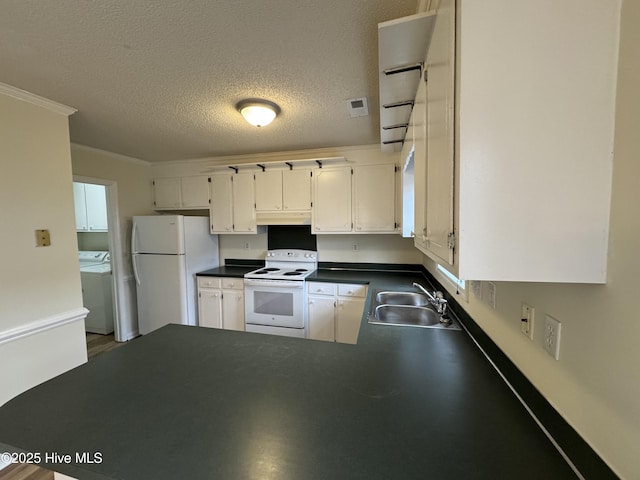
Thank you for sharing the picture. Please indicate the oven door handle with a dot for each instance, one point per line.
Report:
(273, 283)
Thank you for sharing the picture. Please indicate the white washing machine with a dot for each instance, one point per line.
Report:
(97, 291)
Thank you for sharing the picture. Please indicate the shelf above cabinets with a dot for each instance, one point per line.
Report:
(402, 47)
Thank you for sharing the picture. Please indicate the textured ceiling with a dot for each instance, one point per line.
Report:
(158, 80)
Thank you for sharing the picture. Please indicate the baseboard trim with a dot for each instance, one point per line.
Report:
(44, 324)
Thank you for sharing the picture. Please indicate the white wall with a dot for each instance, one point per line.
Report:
(39, 286)
(596, 383)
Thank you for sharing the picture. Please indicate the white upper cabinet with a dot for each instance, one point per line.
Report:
(440, 80)
(374, 198)
(296, 189)
(221, 210)
(268, 191)
(283, 190)
(90, 207)
(332, 200)
(244, 213)
(359, 199)
(191, 192)
(529, 135)
(233, 203)
(419, 129)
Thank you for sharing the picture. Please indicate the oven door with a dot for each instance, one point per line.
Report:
(278, 303)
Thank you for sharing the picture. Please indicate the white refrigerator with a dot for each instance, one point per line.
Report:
(167, 251)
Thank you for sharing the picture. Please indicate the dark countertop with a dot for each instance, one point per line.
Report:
(197, 403)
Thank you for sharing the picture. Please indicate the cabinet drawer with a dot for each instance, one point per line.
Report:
(208, 282)
(352, 290)
(318, 288)
(233, 283)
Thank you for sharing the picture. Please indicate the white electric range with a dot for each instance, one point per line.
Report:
(275, 295)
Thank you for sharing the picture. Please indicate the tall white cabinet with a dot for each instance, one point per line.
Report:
(518, 153)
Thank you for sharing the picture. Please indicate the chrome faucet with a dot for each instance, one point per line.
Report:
(436, 298)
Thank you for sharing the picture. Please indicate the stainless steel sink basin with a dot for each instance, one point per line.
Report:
(406, 309)
(402, 298)
(406, 315)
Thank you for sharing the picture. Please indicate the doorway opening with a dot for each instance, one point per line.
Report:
(96, 236)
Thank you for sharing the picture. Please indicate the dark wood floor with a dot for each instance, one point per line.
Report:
(96, 345)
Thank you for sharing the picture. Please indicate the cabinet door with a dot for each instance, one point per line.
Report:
(195, 191)
(166, 193)
(210, 308)
(96, 199)
(348, 318)
(268, 191)
(322, 318)
(296, 189)
(220, 212)
(233, 310)
(374, 198)
(440, 138)
(244, 213)
(332, 200)
(80, 204)
(418, 120)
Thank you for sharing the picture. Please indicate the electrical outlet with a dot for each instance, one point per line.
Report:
(355, 247)
(476, 288)
(247, 245)
(526, 320)
(491, 294)
(552, 336)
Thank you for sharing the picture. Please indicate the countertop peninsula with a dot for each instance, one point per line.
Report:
(199, 403)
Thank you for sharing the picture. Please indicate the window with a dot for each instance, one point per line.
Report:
(460, 284)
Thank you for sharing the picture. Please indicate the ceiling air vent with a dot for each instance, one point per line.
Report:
(358, 107)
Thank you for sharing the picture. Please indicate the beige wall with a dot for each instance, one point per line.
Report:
(596, 383)
(39, 286)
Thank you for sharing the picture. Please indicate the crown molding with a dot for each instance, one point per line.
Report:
(36, 100)
(117, 156)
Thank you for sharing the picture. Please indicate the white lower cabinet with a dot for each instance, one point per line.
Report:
(335, 311)
(221, 302)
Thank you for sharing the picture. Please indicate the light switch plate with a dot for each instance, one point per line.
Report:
(526, 320)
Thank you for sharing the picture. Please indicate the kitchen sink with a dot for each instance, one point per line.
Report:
(407, 309)
(401, 298)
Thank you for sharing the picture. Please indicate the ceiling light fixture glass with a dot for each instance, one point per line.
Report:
(258, 112)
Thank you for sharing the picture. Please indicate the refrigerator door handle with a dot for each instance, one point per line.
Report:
(133, 252)
(135, 269)
(133, 238)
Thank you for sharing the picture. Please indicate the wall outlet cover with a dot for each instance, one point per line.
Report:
(552, 336)
(491, 294)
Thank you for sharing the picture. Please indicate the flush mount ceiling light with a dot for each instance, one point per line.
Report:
(258, 112)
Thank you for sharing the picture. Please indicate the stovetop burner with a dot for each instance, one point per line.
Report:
(291, 264)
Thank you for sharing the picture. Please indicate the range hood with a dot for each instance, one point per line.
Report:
(283, 218)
